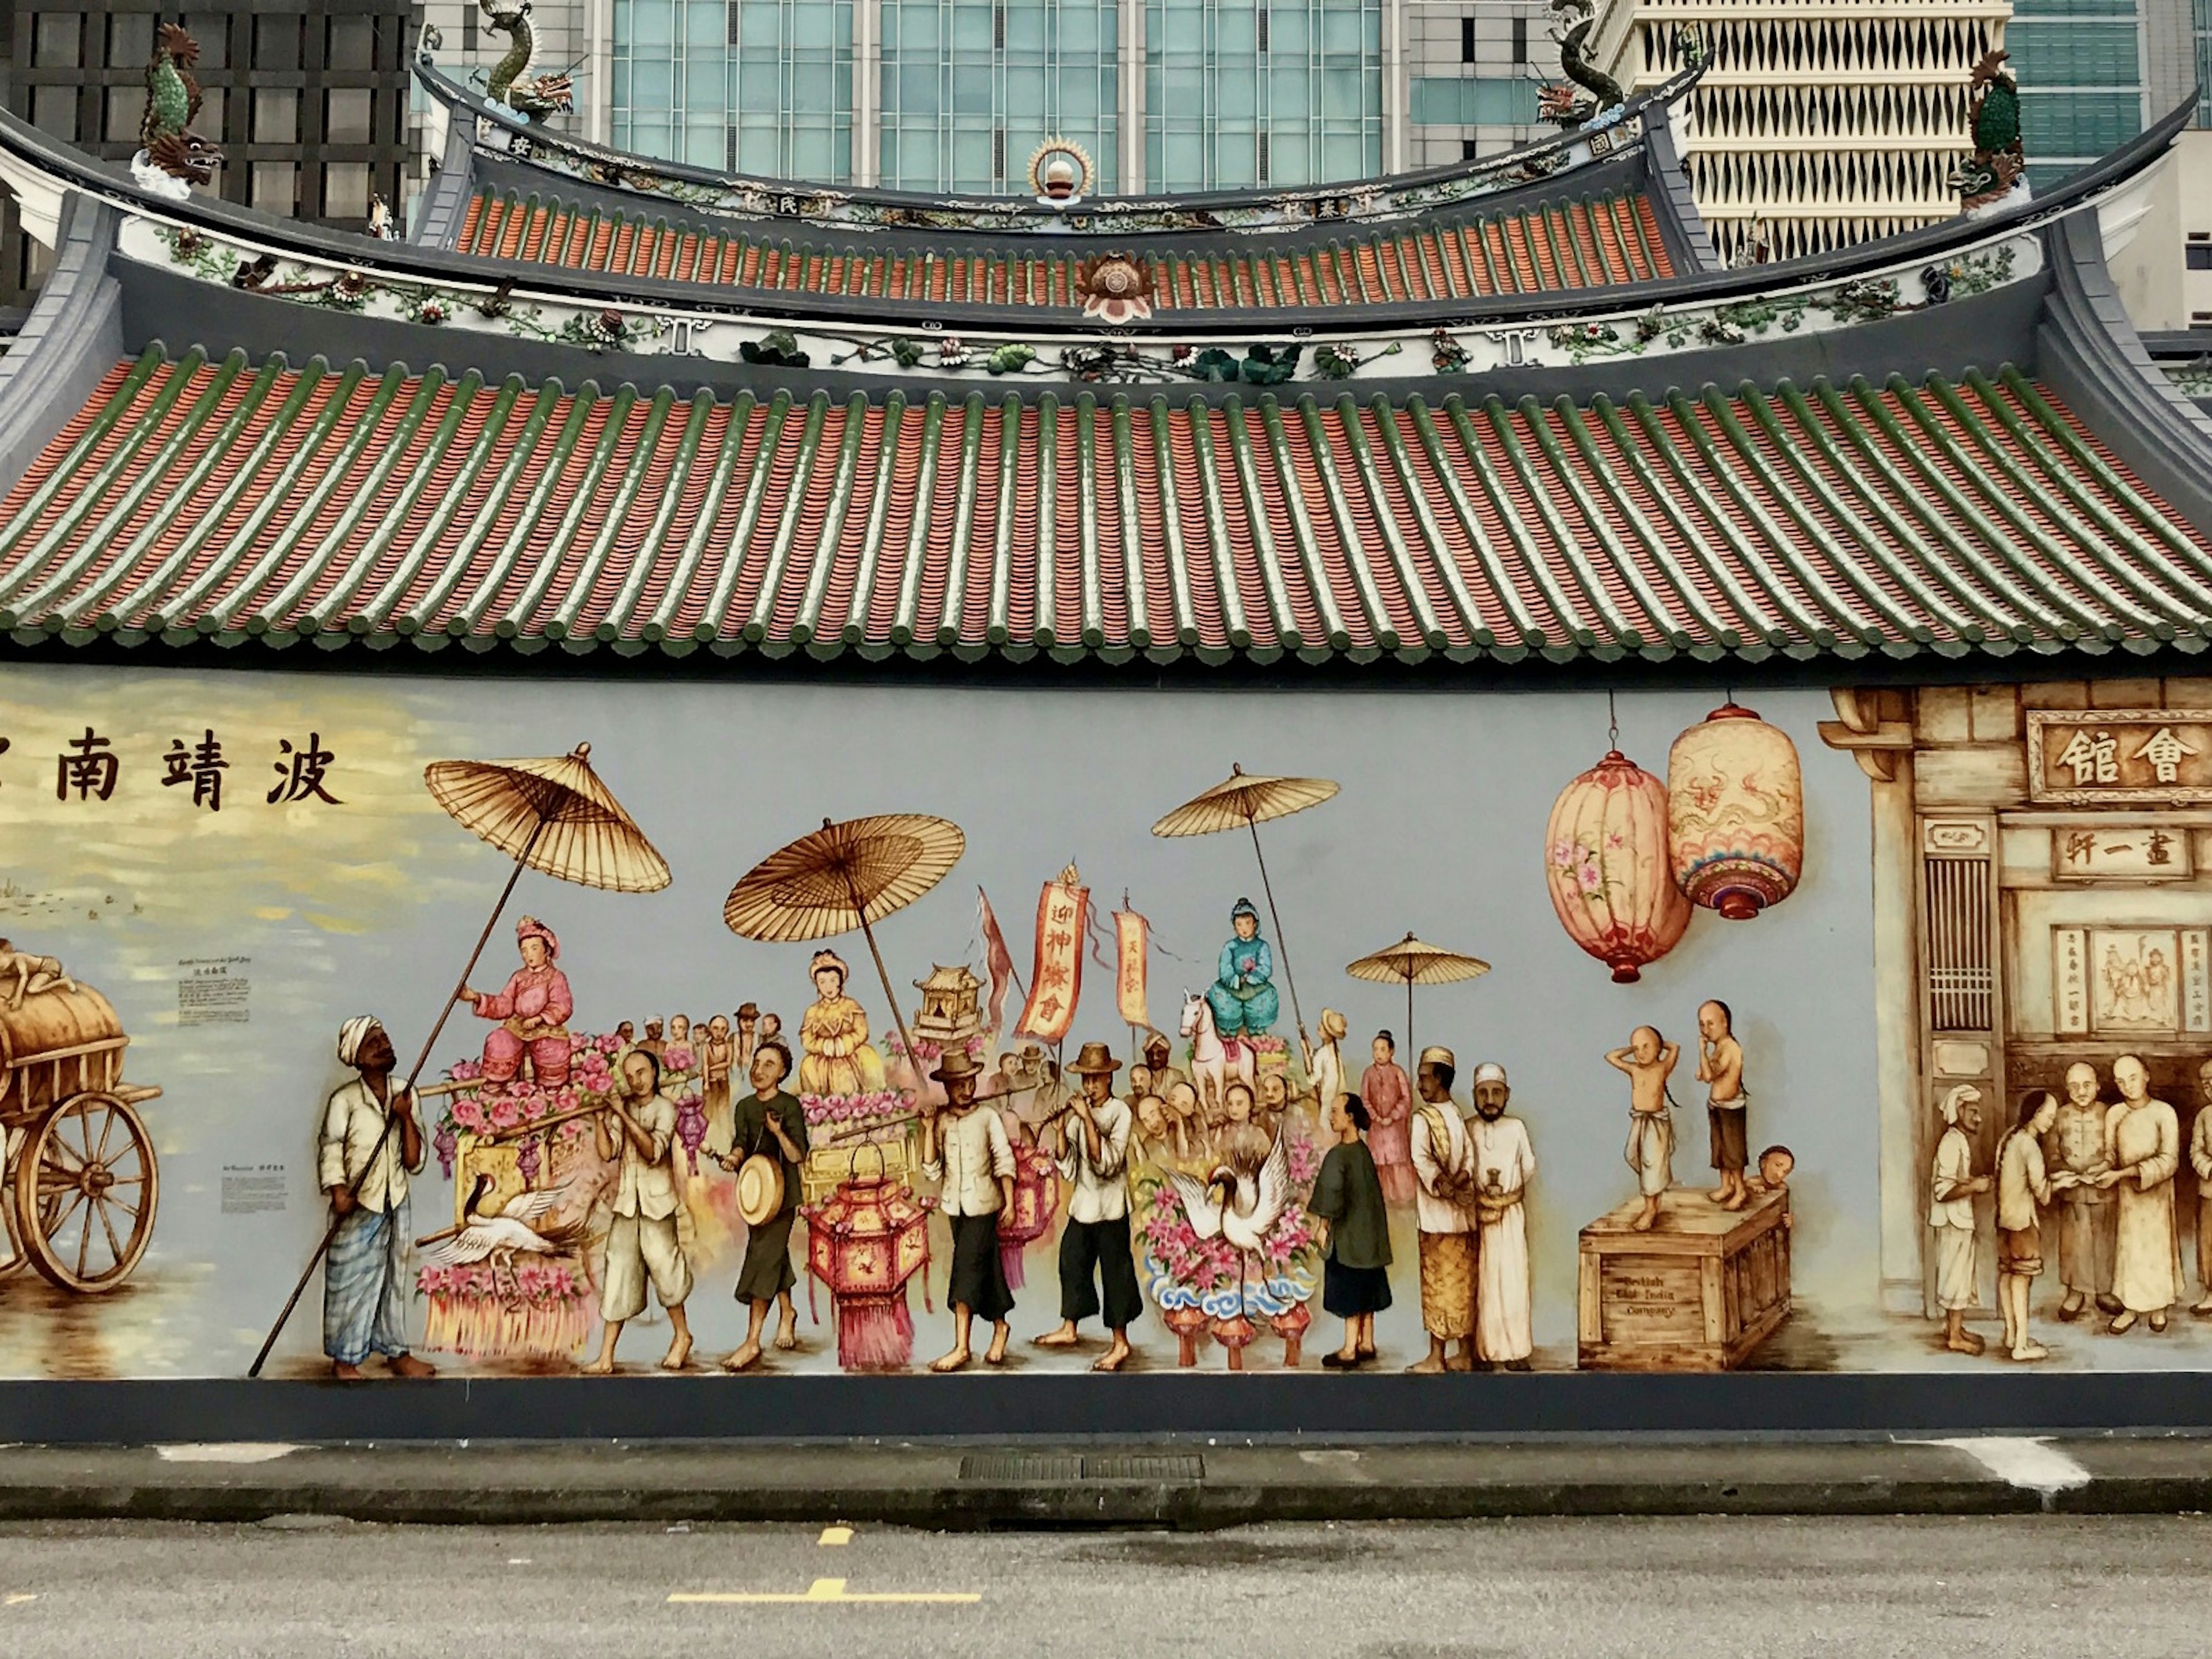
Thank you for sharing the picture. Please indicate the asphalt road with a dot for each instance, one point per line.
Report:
(2019, 1587)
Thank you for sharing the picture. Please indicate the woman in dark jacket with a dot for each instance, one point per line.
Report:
(1348, 1197)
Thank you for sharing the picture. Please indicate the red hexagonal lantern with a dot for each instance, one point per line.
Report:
(864, 1240)
(1607, 867)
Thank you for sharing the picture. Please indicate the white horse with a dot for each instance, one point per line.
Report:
(1214, 1063)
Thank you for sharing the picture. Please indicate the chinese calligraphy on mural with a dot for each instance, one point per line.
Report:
(2119, 755)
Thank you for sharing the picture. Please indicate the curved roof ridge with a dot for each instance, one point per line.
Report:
(1256, 211)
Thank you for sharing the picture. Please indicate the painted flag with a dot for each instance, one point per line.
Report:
(998, 961)
(1130, 930)
(1056, 980)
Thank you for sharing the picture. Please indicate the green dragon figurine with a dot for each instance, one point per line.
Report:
(172, 158)
(1558, 103)
(1998, 166)
(535, 96)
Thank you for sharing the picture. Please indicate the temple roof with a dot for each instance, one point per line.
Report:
(220, 427)
(492, 135)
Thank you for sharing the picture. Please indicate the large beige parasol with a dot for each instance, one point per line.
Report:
(1245, 801)
(1417, 962)
(553, 816)
(845, 876)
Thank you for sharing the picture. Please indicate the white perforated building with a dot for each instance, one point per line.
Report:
(1832, 121)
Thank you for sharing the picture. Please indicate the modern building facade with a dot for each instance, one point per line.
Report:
(1474, 68)
(309, 99)
(1826, 124)
(2084, 85)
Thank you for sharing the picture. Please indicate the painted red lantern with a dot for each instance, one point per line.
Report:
(1606, 866)
(864, 1240)
(1037, 1199)
(1736, 813)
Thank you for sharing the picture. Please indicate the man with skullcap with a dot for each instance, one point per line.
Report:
(369, 1141)
(1501, 1162)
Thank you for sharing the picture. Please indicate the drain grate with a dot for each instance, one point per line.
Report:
(1001, 1468)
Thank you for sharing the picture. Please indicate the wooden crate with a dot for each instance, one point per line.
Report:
(1696, 1293)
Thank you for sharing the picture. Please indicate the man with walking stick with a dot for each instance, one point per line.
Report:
(364, 1168)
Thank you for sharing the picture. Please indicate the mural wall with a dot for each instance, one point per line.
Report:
(838, 1028)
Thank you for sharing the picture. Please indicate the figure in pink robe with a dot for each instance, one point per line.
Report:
(532, 1011)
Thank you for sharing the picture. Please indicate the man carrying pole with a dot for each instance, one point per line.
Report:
(359, 1164)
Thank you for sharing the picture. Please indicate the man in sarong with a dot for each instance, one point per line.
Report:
(2075, 1146)
(2142, 1145)
(1443, 1199)
(369, 1141)
(1502, 1162)
(1952, 1186)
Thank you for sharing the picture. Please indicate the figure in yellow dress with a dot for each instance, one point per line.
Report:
(834, 1032)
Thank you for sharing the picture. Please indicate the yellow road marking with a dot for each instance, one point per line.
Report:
(830, 1589)
(19, 1598)
(834, 1536)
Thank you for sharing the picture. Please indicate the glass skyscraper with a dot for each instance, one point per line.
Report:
(956, 94)
(2080, 72)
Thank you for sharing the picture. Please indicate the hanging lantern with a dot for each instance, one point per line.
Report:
(1036, 1198)
(864, 1240)
(1736, 813)
(1606, 865)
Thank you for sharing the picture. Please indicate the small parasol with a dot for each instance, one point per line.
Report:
(550, 815)
(1417, 962)
(845, 876)
(1244, 801)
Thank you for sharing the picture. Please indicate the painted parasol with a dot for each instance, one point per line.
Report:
(845, 876)
(551, 815)
(1245, 801)
(1417, 962)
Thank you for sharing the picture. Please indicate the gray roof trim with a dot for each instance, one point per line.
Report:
(446, 203)
(68, 343)
(1688, 238)
(2090, 354)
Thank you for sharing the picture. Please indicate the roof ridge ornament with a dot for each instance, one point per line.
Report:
(533, 97)
(1996, 175)
(171, 157)
(1060, 175)
(1572, 21)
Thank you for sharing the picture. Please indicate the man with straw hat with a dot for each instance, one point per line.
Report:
(973, 1162)
(364, 1168)
(774, 1123)
(1443, 1196)
(1093, 1147)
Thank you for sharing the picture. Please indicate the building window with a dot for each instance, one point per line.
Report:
(345, 190)
(998, 28)
(212, 31)
(1469, 148)
(277, 187)
(53, 111)
(276, 115)
(469, 27)
(2200, 256)
(998, 149)
(351, 43)
(58, 42)
(277, 42)
(126, 110)
(1263, 158)
(1260, 22)
(1467, 39)
(1520, 41)
(130, 39)
(349, 116)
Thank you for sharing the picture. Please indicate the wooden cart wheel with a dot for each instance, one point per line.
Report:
(86, 1189)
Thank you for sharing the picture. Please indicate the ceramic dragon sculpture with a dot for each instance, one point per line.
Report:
(1998, 167)
(1572, 21)
(172, 158)
(536, 96)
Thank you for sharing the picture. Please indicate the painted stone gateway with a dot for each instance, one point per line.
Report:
(910, 740)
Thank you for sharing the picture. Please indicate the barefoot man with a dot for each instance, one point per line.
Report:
(363, 1167)
(773, 1122)
(1720, 1068)
(973, 1161)
(1952, 1186)
(1094, 1160)
(641, 1242)
(1648, 1059)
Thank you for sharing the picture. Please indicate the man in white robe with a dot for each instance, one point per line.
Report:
(2142, 1144)
(1501, 1162)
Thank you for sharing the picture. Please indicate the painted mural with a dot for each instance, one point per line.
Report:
(387, 1027)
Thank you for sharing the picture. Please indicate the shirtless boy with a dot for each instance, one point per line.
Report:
(1720, 1067)
(32, 974)
(1648, 1059)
